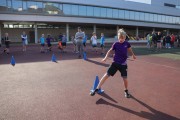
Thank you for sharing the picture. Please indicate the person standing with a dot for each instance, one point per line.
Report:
(7, 43)
(24, 41)
(79, 41)
(119, 63)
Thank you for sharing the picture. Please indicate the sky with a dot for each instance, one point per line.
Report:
(141, 1)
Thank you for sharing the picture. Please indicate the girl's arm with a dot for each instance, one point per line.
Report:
(107, 55)
(132, 53)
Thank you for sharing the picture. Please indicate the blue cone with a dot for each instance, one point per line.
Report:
(96, 82)
(13, 62)
(53, 59)
(84, 56)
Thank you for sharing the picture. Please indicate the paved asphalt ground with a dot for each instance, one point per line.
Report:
(38, 89)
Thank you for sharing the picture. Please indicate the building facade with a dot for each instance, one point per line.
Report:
(53, 17)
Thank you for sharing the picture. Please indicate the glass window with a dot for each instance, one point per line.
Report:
(103, 12)
(82, 10)
(177, 20)
(115, 13)
(126, 14)
(146, 16)
(3, 6)
(121, 14)
(163, 18)
(67, 9)
(9, 4)
(34, 7)
(24, 6)
(96, 11)
(170, 19)
(141, 16)
(159, 18)
(109, 13)
(155, 18)
(167, 19)
(17, 5)
(151, 17)
(132, 15)
(52, 8)
(174, 19)
(75, 9)
(90, 11)
(137, 15)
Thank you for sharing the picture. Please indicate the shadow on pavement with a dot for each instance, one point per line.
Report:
(155, 115)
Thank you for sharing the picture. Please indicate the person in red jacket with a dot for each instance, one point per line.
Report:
(172, 40)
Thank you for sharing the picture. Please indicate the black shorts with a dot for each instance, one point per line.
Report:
(102, 45)
(49, 45)
(42, 45)
(63, 44)
(114, 67)
(7, 44)
(84, 44)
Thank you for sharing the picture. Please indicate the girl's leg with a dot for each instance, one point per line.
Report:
(125, 83)
(103, 79)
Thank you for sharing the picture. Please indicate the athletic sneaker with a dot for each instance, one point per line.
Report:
(127, 95)
(94, 92)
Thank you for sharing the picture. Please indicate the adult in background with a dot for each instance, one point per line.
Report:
(172, 40)
(168, 41)
(7, 43)
(159, 38)
(24, 41)
(79, 41)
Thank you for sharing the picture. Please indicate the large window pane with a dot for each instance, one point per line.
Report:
(103, 12)
(34, 7)
(163, 18)
(159, 18)
(121, 14)
(167, 19)
(137, 15)
(115, 13)
(17, 5)
(132, 15)
(74, 10)
(52, 8)
(3, 6)
(155, 18)
(82, 10)
(127, 14)
(151, 17)
(146, 16)
(96, 11)
(67, 9)
(90, 11)
(109, 12)
(174, 20)
(142, 16)
(170, 19)
(24, 6)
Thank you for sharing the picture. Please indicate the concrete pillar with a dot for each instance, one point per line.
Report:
(94, 28)
(117, 28)
(137, 32)
(67, 31)
(36, 33)
(154, 30)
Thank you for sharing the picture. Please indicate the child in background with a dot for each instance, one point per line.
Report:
(7, 43)
(102, 43)
(84, 41)
(119, 62)
(64, 40)
(42, 42)
(94, 41)
(24, 40)
(48, 41)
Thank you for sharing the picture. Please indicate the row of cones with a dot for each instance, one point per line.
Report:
(53, 59)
